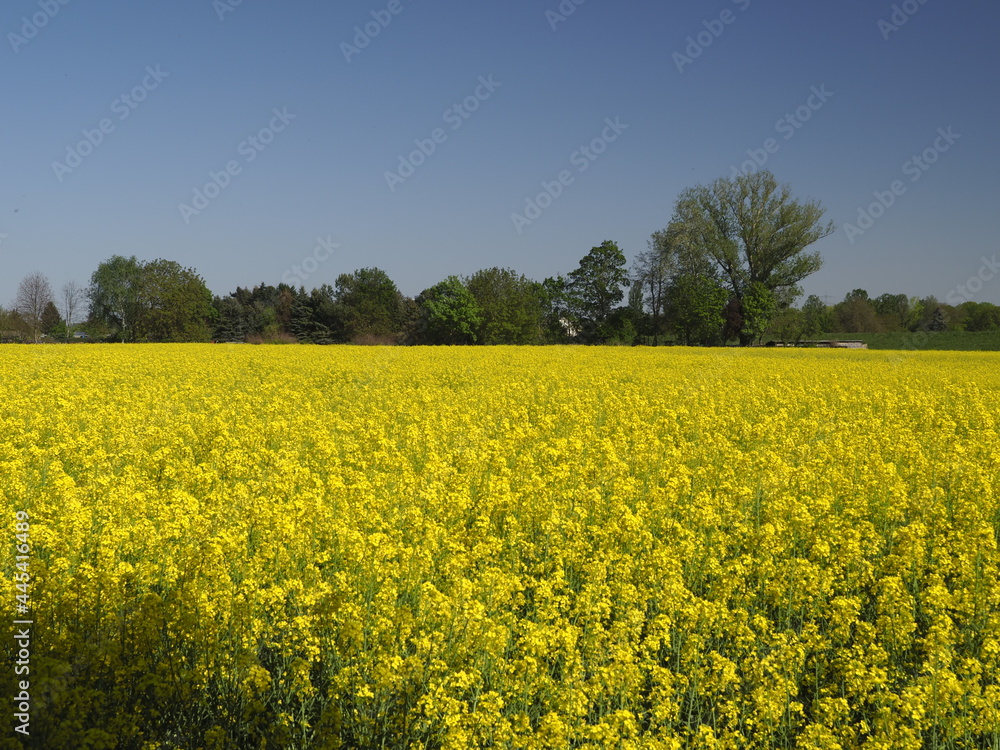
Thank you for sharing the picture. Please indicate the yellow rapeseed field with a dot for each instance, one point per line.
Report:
(340, 547)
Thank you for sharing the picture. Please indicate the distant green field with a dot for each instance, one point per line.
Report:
(944, 340)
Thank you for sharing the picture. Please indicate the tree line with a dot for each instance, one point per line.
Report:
(726, 268)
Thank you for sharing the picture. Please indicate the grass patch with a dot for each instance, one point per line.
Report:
(959, 341)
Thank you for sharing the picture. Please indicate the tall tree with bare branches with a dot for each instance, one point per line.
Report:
(33, 295)
(73, 295)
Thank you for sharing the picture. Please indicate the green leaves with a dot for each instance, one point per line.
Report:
(512, 306)
(696, 305)
(751, 231)
(371, 303)
(597, 285)
(449, 314)
(154, 301)
(759, 308)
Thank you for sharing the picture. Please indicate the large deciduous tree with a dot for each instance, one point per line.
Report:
(175, 304)
(512, 307)
(754, 232)
(155, 301)
(115, 295)
(448, 314)
(34, 294)
(979, 316)
(371, 304)
(893, 311)
(816, 317)
(598, 284)
(856, 314)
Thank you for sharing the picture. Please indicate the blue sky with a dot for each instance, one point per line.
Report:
(211, 76)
